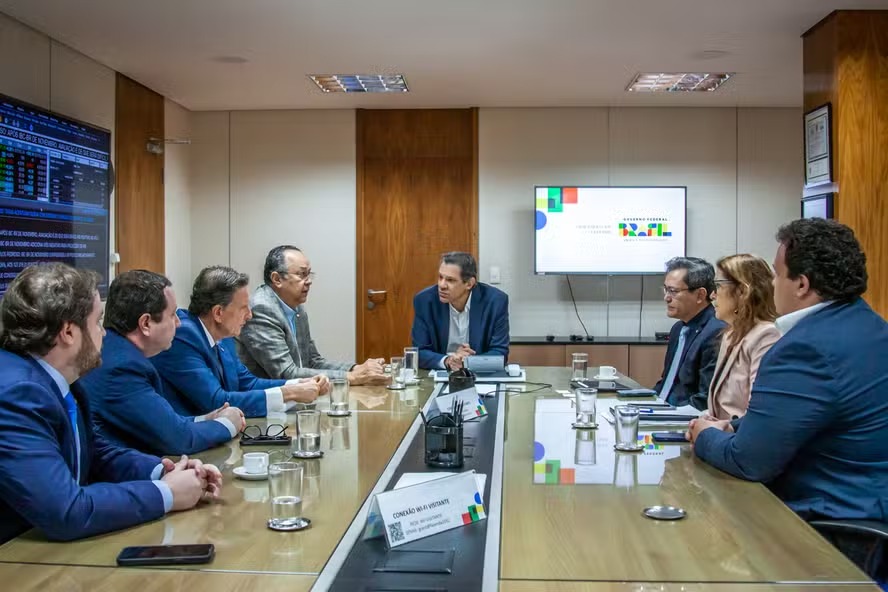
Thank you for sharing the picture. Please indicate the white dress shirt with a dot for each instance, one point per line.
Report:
(788, 321)
(458, 333)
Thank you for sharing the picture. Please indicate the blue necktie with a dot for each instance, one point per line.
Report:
(665, 391)
(71, 406)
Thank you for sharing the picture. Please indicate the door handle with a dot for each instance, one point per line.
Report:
(376, 292)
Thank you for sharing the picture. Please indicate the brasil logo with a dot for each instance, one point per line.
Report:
(649, 229)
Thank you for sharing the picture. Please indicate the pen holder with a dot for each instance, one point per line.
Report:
(460, 380)
(443, 442)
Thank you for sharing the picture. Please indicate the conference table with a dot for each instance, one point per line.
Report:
(570, 519)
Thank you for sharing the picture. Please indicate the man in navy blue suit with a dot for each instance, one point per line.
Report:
(817, 423)
(56, 474)
(459, 317)
(126, 391)
(693, 341)
(202, 372)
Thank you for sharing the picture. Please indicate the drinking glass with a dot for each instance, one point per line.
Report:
(397, 365)
(308, 423)
(339, 397)
(579, 365)
(411, 365)
(626, 425)
(585, 400)
(285, 491)
(340, 437)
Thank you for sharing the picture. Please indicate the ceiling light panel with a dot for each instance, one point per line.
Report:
(360, 83)
(677, 82)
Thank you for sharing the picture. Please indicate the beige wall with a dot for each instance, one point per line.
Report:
(742, 168)
(177, 200)
(285, 177)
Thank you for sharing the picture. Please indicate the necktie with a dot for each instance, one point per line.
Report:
(71, 406)
(665, 391)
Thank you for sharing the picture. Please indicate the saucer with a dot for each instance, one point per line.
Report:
(584, 426)
(610, 378)
(241, 473)
(629, 447)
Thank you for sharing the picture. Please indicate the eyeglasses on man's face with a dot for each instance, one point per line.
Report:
(673, 292)
(302, 274)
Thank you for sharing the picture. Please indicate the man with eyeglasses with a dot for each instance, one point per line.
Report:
(276, 342)
(693, 341)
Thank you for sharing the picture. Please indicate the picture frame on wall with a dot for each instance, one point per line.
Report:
(819, 206)
(818, 146)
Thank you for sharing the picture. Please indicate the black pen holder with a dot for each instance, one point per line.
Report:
(444, 442)
(460, 380)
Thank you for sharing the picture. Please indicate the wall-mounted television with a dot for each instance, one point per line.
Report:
(818, 206)
(55, 191)
(608, 230)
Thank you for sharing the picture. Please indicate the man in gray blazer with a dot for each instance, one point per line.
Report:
(276, 342)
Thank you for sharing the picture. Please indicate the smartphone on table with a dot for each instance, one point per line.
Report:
(669, 437)
(166, 555)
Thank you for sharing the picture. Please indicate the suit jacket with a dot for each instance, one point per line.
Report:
(817, 422)
(488, 324)
(269, 349)
(129, 409)
(195, 381)
(691, 385)
(38, 485)
(735, 372)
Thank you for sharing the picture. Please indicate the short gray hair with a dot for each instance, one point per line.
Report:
(39, 301)
(699, 273)
(468, 268)
(215, 285)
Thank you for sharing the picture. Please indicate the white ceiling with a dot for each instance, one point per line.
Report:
(454, 53)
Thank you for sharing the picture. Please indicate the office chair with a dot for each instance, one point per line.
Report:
(868, 532)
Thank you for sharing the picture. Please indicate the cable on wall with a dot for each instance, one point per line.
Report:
(640, 305)
(576, 310)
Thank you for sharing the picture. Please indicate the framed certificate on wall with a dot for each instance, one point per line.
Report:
(818, 146)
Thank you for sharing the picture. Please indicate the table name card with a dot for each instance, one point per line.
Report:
(421, 510)
(473, 406)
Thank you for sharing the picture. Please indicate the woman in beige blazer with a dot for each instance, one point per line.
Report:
(744, 299)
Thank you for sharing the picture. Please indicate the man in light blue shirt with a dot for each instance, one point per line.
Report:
(56, 473)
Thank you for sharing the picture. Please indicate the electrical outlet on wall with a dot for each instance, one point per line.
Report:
(495, 275)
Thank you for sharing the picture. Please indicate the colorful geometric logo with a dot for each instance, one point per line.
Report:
(644, 229)
(648, 442)
(475, 511)
(551, 473)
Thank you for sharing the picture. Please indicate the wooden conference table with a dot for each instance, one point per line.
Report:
(579, 531)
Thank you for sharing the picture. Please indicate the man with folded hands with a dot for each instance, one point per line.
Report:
(125, 392)
(56, 473)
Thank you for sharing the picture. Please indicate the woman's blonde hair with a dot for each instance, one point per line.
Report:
(753, 291)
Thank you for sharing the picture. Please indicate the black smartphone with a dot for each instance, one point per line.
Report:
(669, 437)
(166, 555)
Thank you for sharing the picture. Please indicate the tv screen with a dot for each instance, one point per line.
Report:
(608, 230)
(55, 191)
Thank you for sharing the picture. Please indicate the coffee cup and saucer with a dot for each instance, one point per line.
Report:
(606, 373)
(253, 468)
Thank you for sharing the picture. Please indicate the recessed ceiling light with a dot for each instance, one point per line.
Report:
(360, 83)
(677, 82)
(230, 60)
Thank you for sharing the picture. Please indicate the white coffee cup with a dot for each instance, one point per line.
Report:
(256, 463)
(607, 371)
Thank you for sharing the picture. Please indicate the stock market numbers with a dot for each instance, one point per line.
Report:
(22, 172)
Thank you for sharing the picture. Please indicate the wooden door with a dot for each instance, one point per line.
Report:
(139, 215)
(417, 197)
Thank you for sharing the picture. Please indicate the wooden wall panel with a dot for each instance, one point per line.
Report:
(139, 214)
(537, 355)
(846, 62)
(646, 363)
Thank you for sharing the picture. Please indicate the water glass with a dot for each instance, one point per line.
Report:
(585, 450)
(338, 397)
(626, 426)
(397, 365)
(626, 470)
(411, 365)
(285, 491)
(585, 401)
(579, 364)
(308, 423)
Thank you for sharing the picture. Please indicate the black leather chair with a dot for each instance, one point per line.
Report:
(868, 533)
